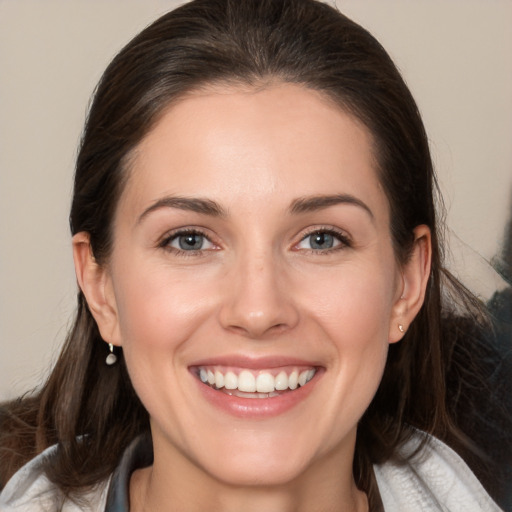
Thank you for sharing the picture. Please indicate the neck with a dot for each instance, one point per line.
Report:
(146, 495)
(326, 486)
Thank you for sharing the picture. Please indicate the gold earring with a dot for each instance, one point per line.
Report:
(401, 328)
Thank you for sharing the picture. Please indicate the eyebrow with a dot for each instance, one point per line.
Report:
(313, 203)
(211, 208)
(198, 205)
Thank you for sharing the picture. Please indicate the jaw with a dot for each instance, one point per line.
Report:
(263, 471)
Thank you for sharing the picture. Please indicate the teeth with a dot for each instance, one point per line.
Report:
(246, 382)
(241, 394)
(230, 381)
(305, 377)
(293, 380)
(219, 379)
(264, 384)
(281, 381)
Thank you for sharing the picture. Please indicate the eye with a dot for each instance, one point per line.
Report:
(323, 240)
(188, 241)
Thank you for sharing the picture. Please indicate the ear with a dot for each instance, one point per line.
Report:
(96, 284)
(415, 273)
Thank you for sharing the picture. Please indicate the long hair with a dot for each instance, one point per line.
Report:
(90, 409)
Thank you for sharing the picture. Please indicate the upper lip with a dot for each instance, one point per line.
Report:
(254, 363)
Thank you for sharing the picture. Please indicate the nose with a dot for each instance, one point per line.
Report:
(258, 302)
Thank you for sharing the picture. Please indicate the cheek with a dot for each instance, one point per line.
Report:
(356, 320)
(353, 303)
(159, 309)
(158, 313)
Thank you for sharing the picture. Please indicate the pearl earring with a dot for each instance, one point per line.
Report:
(111, 358)
(401, 328)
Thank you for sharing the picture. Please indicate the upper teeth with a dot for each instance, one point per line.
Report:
(262, 382)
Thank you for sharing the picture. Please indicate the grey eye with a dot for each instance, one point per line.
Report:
(321, 241)
(190, 242)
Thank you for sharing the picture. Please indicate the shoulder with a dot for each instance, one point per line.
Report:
(436, 479)
(29, 490)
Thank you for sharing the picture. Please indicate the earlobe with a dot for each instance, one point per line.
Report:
(95, 283)
(415, 275)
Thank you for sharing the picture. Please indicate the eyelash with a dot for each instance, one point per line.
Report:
(169, 238)
(342, 238)
(344, 241)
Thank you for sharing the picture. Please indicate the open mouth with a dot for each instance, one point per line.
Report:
(246, 383)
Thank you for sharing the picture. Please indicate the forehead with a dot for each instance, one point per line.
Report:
(282, 142)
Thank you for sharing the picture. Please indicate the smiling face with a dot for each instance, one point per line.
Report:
(252, 253)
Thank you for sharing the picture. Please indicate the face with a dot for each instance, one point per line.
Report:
(252, 284)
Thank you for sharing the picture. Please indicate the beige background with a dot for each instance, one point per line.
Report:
(456, 55)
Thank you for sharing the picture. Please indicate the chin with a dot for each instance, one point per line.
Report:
(249, 473)
(260, 461)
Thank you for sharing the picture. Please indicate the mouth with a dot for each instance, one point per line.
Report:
(257, 384)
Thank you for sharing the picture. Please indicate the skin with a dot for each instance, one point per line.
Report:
(257, 288)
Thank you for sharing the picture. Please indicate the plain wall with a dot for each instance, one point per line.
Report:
(455, 55)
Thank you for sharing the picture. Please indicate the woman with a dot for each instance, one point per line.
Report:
(260, 323)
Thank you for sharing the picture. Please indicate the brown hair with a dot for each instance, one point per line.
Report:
(91, 409)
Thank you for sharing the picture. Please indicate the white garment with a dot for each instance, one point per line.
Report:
(29, 490)
(438, 480)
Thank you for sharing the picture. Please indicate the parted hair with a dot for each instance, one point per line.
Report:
(90, 409)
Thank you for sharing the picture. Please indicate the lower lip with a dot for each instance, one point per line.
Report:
(257, 408)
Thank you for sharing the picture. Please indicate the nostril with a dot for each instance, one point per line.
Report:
(279, 327)
(257, 305)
